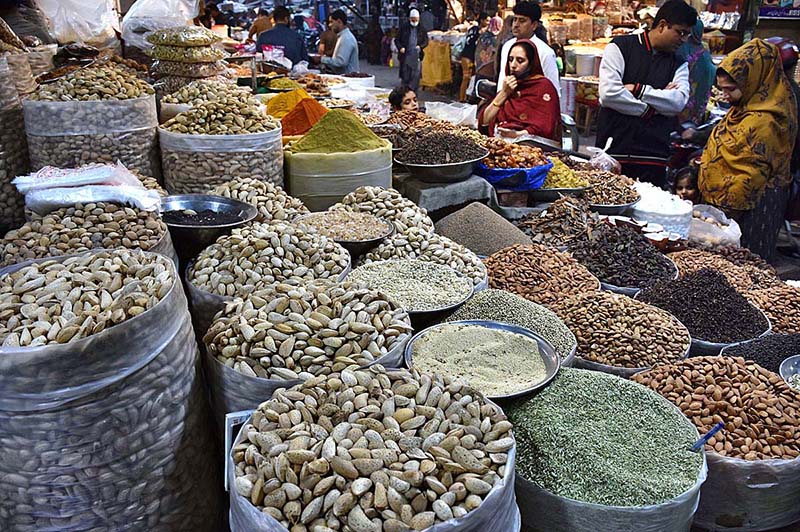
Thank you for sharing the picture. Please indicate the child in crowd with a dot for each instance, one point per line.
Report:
(686, 185)
(402, 98)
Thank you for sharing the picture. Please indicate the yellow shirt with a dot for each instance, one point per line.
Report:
(259, 25)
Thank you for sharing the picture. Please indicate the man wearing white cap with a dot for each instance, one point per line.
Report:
(410, 43)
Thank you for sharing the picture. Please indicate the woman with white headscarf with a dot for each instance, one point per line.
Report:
(410, 43)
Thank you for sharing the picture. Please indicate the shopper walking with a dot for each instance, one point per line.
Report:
(281, 35)
(345, 54)
(745, 166)
(410, 43)
(644, 84)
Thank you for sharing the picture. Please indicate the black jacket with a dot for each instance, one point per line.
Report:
(402, 40)
(281, 35)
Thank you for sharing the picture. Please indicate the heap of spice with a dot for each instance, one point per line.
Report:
(707, 304)
(538, 273)
(415, 285)
(480, 229)
(758, 408)
(283, 83)
(596, 438)
(620, 256)
(781, 304)
(616, 330)
(280, 105)
(563, 221)
(493, 361)
(339, 131)
(693, 260)
(768, 351)
(505, 307)
(303, 117)
(440, 148)
(346, 226)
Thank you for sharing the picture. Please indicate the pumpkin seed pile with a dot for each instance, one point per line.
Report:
(372, 450)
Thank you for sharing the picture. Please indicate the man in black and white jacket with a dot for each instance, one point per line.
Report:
(644, 84)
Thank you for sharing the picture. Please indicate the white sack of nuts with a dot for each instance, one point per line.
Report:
(389, 204)
(98, 114)
(416, 243)
(256, 256)
(371, 450)
(13, 151)
(100, 406)
(272, 202)
(284, 334)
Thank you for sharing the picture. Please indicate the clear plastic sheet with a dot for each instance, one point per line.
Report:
(319, 180)
(106, 433)
(196, 54)
(93, 22)
(41, 58)
(21, 73)
(184, 36)
(188, 70)
(200, 163)
(743, 495)
(543, 511)
(497, 513)
(709, 233)
(146, 16)
(75, 133)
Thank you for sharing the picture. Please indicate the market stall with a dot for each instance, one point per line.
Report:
(383, 347)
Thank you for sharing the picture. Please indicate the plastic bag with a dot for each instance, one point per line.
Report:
(744, 495)
(184, 36)
(49, 199)
(21, 72)
(543, 511)
(515, 179)
(146, 16)
(189, 70)
(92, 22)
(602, 160)
(497, 513)
(199, 163)
(93, 174)
(705, 232)
(119, 422)
(460, 114)
(41, 59)
(72, 134)
(197, 54)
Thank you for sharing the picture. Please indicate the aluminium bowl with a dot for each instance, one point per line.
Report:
(443, 173)
(789, 367)
(356, 248)
(553, 194)
(546, 351)
(610, 210)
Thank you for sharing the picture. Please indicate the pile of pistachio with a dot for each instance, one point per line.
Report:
(228, 115)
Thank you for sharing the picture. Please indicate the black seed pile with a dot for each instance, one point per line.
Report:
(707, 304)
(204, 217)
(768, 351)
(620, 256)
(440, 148)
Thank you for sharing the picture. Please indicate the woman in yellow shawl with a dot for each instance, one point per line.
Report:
(745, 166)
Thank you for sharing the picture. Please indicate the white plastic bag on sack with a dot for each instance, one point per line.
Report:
(602, 160)
(460, 114)
(147, 16)
(710, 233)
(93, 22)
(49, 199)
(92, 174)
(749, 495)
(497, 513)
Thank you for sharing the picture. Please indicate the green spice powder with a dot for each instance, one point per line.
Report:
(339, 131)
(596, 438)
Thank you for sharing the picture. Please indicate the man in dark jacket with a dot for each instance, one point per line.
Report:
(410, 43)
(281, 35)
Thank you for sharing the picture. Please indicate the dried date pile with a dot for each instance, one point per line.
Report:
(620, 256)
(440, 148)
(707, 304)
(504, 154)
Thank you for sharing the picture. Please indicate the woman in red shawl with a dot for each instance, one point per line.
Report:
(528, 102)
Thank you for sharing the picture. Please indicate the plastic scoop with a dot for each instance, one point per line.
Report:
(708, 435)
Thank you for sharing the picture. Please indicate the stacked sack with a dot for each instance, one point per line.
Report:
(184, 54)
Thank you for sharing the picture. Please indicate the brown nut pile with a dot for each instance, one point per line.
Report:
(346, 226)
(616, 330)
(272, 202)
(504, 154)
(539, 273)
(261, 254)
(389, 204)
(781, 304)
(108, 81)
(59, 301)
(228, 115)
(760, 411)
(693, 260)
(299, 332)
(419, 244)
(80, 228)
(607, 188)
(373, 449)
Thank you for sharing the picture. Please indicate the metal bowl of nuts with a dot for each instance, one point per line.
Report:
(497, 379)
(632, 291)
(790, 367)
(195, 221)
(357, 232)
(443, 173)
(611, 210)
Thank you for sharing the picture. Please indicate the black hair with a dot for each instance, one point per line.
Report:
(483, 16)
(676, 12)
(281, 13)
(339, 15)
(397, 95)
(533, 10)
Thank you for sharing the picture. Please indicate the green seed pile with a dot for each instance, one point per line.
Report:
(596, 438)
